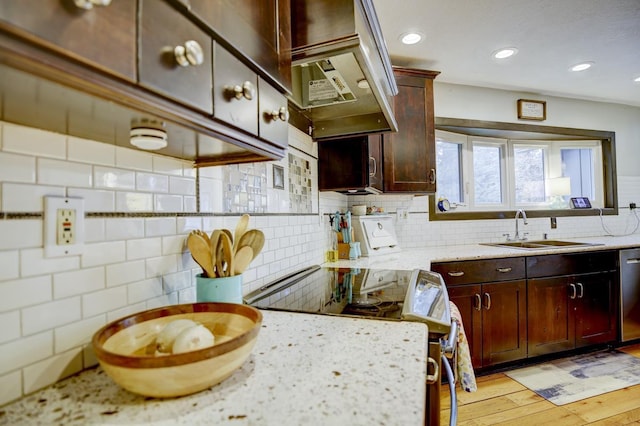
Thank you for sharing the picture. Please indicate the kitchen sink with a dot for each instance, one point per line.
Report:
(540, 244)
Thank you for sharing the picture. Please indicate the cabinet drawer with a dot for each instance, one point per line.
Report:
(479, 271)
(274, 115)
(231, 77)
(161, 30)
(103, 36)
(571, 263)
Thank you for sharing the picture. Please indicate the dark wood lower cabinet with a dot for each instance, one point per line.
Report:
(571, 311)
(495, 321)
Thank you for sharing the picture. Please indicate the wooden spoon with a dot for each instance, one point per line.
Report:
(213, 246)
(201, 253)
(242, 259)
(253, 238)
(229, 234)
(224, 256)
(241, 228)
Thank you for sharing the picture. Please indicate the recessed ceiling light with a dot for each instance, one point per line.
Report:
(581, 66)
(504, 53)
(411, 38)
(637, 79)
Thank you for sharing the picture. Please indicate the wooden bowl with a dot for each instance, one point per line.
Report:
(126, 348)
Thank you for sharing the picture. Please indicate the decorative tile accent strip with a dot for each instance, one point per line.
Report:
(300, 182)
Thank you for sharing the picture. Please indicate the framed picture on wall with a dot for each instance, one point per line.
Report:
(278, 177)
(529, 109)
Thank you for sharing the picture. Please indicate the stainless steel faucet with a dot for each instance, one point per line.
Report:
(517, 237)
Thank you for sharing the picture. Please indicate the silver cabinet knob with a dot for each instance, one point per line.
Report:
(88, 4)
(189, 54)
(279, 114)
(247, 91)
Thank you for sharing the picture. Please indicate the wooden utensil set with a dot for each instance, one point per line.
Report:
(224, 254)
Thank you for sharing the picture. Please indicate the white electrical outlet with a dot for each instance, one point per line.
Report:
(402, 214)
(63, 226)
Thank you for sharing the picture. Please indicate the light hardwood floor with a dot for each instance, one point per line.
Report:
(501, 400)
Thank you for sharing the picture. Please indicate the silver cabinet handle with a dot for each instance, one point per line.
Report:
(574, 292)
(503, 270)
(456, 273)
(246, 90)
(88, 4)
(432, 176)
(581, 288)
(279, 114)
(632, 261)
(372, 160)
(478, 304)
(487, 305)
(189, 54)
(432, 378)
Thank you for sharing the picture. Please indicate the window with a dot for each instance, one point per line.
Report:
(491, 174)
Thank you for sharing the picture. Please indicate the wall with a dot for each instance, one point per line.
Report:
(139, 207)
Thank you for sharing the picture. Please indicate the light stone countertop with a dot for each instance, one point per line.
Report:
(305, 369)
(421, 258)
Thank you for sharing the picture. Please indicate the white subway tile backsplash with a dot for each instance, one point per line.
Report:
(144, 248)
(159, 266)
(10, 387)
(64, 173)
(124, 228)
(27, 140)
(17, 168)
(152, 182)
(51, 370)
(134, 202)
(109, 177)
(78, 333)
(169, 166)
(33, 262)
(94, 230)
(18, 197)
(49, 315)
(178, 281)
(30, 349)
(182, 186)
(159, 226)
(9, 264)
(10, 329)
(188, 224)
(173, 244)
(25, 292)
(87, 151)
(190, 204)
(103, 301)
(103, 253)
(95, 200)
(133, 159)
(144, 290)
(126, 272)
(168, 203)
(78, 282)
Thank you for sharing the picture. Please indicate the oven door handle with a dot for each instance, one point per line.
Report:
(433, 378)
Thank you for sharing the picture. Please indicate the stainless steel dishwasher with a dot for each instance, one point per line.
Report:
(630, 294)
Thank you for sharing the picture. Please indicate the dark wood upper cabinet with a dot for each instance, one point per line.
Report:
(161, 30)
(102, 37)
(409, 154)
(259, 30)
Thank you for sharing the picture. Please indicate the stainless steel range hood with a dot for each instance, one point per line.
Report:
(342, 76)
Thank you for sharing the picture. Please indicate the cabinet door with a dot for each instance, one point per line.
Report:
(551, 325)
(161, 30)
(103, 36)
(409, 154)
(467, 299)
(504, 322)
(343, 164)
(596, 318)
(375, 162)
(260, 30)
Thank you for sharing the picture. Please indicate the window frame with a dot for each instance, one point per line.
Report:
(529, 133)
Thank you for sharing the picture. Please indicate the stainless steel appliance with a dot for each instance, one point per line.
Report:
(394, 295)
(630, 294)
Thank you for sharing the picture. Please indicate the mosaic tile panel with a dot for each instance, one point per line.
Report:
(300, 184)
(245, 188)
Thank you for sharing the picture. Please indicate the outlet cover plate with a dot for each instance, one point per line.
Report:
(51, 207)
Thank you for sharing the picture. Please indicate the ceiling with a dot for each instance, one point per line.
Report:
(550, 35)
